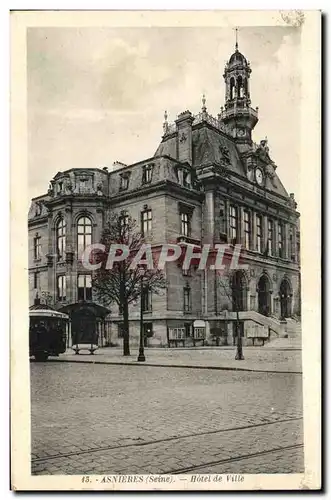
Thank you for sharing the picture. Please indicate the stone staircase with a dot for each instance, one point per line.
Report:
(292, 340)
(282, 334)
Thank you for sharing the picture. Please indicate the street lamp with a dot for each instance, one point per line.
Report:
(141, 355)
(239, 353)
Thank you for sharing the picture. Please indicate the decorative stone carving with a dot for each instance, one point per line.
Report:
(225, 159)
(183, 138)
(99, 189)
(69, 188)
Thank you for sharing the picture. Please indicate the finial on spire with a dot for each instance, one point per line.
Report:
(165, 123)
(236, 39)
(204, 109)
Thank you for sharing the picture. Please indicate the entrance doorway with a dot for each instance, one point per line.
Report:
(263, 289)
(285, 299)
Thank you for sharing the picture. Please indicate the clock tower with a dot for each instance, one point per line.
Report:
(237, 115)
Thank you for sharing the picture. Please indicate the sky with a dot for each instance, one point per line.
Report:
(98, 95)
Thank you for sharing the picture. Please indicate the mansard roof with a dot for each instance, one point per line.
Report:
(208, 147)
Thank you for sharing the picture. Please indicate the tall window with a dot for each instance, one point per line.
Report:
(259, 233)
(247, 228)
(37, 247)
(146, 222)
(35, 280)
(187, 299)
(147, 300)
(233, 223)
(61, 288)
(270, 237)
(84, 287)
(147, 174)
(281, 239)
(84, 234)
(185, 224)
(222, 220)
(61, 238)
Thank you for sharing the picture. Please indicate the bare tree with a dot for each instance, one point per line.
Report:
(233, 295)
(122, 283)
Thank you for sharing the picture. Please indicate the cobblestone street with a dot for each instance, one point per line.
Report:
(108, 419)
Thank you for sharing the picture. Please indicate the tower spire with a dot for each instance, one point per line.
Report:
(236, 39)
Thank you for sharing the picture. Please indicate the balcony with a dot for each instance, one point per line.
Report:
(236, 109)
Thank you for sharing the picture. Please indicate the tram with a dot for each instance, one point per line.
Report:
(47, 336)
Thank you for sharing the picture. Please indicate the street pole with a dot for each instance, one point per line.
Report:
(141, 356)
(239, 353)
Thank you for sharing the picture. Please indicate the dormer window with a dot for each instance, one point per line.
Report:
(180, 175)
(60, 187)
(184, 177)
(147, 174)
(38, 209)
(187, 179)
(125, 181)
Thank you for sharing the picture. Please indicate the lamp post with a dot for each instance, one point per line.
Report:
(239, 353)
(141, 355)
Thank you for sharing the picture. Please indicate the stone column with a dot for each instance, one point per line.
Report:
(209, 229)
(295, 243)
(227, 215)
(69, 253)
(271, 302)
(253, 226)
(276, 238)
(241, 226)
(265, 233)
(51, 257)
(286, 240)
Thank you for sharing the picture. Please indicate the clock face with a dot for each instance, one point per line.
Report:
(259, 176)
(241, 132)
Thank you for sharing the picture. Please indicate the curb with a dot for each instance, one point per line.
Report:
(135, 363)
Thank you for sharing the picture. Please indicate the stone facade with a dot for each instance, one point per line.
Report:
(226, 185)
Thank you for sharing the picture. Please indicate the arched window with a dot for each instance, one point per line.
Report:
(246, 88)
(61, 238)
(264, 296)
(285, 299)
(240, 88)
(84, 234)
(232, 88)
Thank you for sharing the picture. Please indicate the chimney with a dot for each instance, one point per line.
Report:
(184, 136)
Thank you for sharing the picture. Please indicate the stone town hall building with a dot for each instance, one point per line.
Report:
(207, 182)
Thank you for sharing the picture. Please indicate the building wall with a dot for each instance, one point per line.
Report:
(209, 299)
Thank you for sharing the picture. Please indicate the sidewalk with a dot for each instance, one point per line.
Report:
(223, 358)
